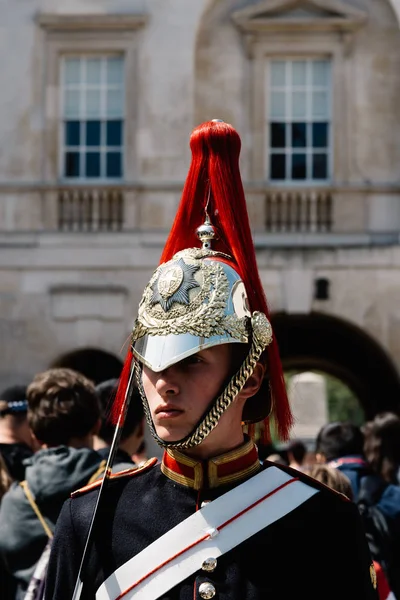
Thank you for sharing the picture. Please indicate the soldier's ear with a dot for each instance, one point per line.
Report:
(254, 382)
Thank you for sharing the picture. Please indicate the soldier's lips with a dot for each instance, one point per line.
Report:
(168, 412)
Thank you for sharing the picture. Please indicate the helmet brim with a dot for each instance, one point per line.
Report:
(161, 352)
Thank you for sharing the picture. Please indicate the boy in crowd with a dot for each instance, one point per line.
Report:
(132, 435)
(63, 414)
(16, 443)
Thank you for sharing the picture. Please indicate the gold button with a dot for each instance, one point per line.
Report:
(207, 590)
(210, 564)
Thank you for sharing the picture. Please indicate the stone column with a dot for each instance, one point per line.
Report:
(308, 399)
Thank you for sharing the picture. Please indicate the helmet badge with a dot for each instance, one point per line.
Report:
(173, 285)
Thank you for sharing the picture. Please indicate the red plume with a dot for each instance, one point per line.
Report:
(119, 401)
(214, 172)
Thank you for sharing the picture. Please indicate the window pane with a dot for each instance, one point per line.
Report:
(93, 109)
(320, 135)
(114, 133)
(278, 105)
(298, 166)
(115, 70)
(93, 164)
(278, 70)
(320, 166)
(277, 131)
(277, 170)
(299, 135)
(299, 106)
(72, 71)
(114, 164)
(320, 105)
(114, 103)
(71, 164)
(93, 71)
(299, 72)
(71, 104)
(72, 133)
(320, 72)
(93, 133)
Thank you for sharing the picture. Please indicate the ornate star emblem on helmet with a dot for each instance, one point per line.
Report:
(173, 284)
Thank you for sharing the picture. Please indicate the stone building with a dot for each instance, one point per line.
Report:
(98, 99)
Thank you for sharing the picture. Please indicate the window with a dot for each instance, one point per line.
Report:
(92, 127)
(299, 120)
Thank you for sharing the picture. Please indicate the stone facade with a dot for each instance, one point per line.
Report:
(69, 285)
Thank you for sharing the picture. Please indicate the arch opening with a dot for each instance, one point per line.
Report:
(327, 344)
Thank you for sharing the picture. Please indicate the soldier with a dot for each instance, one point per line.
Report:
(210, 520)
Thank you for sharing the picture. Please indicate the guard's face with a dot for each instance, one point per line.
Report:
(179, 396)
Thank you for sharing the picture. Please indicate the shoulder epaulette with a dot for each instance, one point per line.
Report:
(306, 479)
(126, 473)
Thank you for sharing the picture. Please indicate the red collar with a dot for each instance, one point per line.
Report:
(221, 470)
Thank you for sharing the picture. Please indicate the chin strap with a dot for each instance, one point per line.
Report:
(262, 337)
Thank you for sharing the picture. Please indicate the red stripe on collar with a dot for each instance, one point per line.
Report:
(224, 469)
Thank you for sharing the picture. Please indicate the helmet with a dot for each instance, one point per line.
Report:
(199, 297)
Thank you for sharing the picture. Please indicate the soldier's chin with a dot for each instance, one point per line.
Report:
(170, 434)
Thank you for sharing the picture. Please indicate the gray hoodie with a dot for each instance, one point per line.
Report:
(52, 475)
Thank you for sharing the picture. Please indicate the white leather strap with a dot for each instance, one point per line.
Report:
(180, 552)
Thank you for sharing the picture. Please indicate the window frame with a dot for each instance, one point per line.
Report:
(92, 35)
(101, 180)
(309, 149)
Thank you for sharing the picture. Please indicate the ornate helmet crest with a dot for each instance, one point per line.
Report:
(201, 297)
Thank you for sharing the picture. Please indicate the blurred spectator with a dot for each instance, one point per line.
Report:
(63, 413)
(332, 478)
(342, 446)
(336, 480)
(382, 445)
(5, 478)
(296, 453)
(140, 456)
(265, 450)
(15, 435)
(133, 431)
(277, 458)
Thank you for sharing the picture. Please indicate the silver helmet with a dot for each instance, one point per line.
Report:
(195, 301)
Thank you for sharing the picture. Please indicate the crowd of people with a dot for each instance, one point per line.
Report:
(54, 438)
(364, 464)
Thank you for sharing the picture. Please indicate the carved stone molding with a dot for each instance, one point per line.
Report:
(298, 15)
(90, 22)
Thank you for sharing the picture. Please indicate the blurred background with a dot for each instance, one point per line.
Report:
(97, 102)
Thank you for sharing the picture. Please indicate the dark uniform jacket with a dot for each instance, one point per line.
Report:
(318, 551)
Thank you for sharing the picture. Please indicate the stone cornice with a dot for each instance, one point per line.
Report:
(90, 22)
(280, 16)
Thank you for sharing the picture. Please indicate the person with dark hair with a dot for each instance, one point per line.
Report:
(132, 435)
(336, 480)
(16, 443)
(373, 477)
(296, 453)
(63, 413)
(209, 520)
(341, 445)
(382, 446)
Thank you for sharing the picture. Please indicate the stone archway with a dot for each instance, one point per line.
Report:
(321, 342)
(97, 365)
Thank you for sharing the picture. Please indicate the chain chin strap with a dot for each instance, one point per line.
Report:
(262, 337)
